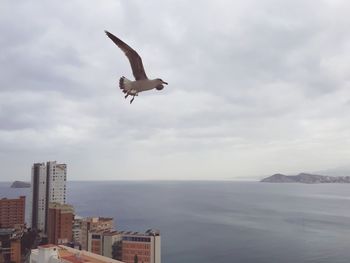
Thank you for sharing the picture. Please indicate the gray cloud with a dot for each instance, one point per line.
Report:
(255, 87)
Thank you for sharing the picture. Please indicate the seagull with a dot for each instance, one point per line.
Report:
(141, 83)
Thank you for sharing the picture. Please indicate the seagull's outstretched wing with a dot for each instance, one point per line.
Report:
(134, 58)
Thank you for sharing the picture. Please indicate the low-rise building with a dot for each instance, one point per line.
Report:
(91, 224)
(10, 245)
(145, 247)
(77, 229)
(126, 246)
(101, 242)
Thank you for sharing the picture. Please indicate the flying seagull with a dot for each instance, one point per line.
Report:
(141, 83)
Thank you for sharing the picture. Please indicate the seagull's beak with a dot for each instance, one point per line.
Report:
(166, 83)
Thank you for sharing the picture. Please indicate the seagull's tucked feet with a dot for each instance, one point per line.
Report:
(132, 99)
(127, 94)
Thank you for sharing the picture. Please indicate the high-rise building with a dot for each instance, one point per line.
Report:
(59, 223)
(48, 185)
(12, 212)
(38, 196)
(91, 224)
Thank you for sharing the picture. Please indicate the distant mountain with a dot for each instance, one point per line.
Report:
(20, 184)
(306, 179)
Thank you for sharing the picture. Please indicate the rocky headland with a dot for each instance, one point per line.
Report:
(306, 178)
(20, 184)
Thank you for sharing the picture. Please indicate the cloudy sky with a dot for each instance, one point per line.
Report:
(255, 87)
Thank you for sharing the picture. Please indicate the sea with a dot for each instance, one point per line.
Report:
(224, 221)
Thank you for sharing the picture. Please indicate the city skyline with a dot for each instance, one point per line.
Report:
(255, 88)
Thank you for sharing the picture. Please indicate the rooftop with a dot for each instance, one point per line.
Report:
(67, 254)
(65, 208)
(47, 246)
(13, 233)
(96, 219)
(149, 232)
(78, 256)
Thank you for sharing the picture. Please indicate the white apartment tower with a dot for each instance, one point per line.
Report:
(48, 185)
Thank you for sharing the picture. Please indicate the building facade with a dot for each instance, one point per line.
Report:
(77, 225)
(112, 245)
(48, 185)
(93, 224)
(141, 247)
(10, 245)
(12, 212)
(60, 223)
(102, 243)
(126, 246)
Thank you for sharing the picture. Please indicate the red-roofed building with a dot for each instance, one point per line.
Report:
(63, 254)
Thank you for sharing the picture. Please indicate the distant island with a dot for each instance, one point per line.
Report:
(305, 178)
(20, 184)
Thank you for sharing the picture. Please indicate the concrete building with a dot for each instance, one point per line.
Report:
(38, 197)
(63, 254)
(15, 252)
(59, 223)
(48, 184)
(10, 245)
(93, 224)
(111, 245)
(12, 212)
(125, 246)
(101, 242)
(77, 225)
(146, 247)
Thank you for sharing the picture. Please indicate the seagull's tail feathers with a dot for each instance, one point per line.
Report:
(125, 84)
(121, 83)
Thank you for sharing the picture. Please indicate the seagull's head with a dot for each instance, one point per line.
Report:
(160, 83)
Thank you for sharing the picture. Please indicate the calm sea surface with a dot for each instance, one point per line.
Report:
(221, 222)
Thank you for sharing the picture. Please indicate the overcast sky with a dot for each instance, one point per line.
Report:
(256, 87)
